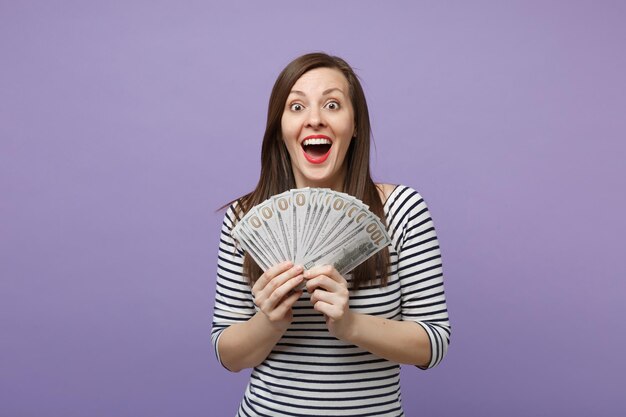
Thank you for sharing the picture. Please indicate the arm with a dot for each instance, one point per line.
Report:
(398, 341)
(422, 337)
(421, 273)
(243, 335)
(247, 344)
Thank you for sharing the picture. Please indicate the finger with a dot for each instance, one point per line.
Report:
(339, 303)
(267, 298)
(280, 279)
(275, 298)
(328, 297)
(269, 274)
(325, 282)
(283, 308)
(316, 270)
(327, 309)
(327, 270)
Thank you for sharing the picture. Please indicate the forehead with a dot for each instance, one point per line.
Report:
(321, 79)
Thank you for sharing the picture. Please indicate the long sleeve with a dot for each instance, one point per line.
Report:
(420, 271)
(233, 297)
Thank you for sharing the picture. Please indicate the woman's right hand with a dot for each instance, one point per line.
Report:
(274, 293)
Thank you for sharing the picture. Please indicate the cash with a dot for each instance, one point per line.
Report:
(311, 226)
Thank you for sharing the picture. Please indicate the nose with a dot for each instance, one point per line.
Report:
(315, 119)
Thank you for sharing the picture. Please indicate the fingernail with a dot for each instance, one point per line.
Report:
(298, 267)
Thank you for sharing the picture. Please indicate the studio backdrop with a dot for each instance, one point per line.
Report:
(125, 125)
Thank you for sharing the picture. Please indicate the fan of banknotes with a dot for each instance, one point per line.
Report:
(309, 227)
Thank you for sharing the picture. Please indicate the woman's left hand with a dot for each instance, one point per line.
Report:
(330, 296)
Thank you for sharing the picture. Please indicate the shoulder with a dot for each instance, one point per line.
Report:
(404, 200)
(233, 214)
(407, 215)
(391, 194)
(385, 190)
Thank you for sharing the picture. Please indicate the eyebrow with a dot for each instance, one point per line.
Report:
(330, 90)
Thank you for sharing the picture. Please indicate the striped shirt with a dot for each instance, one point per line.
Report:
(311, 373)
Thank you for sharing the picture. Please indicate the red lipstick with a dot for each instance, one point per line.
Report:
(319, 160)
(316, 159)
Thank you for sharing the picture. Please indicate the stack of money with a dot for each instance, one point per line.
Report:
(309, 227)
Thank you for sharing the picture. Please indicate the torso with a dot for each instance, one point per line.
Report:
(322, 372)
(311, 372)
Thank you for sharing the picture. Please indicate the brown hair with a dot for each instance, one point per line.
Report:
(276, 172)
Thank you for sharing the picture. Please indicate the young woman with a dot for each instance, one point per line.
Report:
(333, 349)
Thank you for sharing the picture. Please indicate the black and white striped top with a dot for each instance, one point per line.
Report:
(311, 373)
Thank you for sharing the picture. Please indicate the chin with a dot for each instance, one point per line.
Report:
(319, 180)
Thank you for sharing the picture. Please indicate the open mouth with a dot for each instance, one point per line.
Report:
(316, 149)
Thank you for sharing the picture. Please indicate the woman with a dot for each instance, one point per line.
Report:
(335, 348)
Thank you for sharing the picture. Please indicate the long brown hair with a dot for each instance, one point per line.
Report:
(276, 172)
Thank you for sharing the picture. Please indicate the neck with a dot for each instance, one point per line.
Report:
(335, 184)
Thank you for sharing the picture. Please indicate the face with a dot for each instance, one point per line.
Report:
(317, 126)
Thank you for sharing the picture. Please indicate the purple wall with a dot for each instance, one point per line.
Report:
(124, 125)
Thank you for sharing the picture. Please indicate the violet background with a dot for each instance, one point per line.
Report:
(124, 125)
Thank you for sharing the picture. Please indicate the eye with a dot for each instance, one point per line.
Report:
(296, 107)
(332, 105)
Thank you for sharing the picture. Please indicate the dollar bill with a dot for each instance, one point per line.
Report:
(352, 248)
(282, 206)
(311, 226)
(301, 199)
